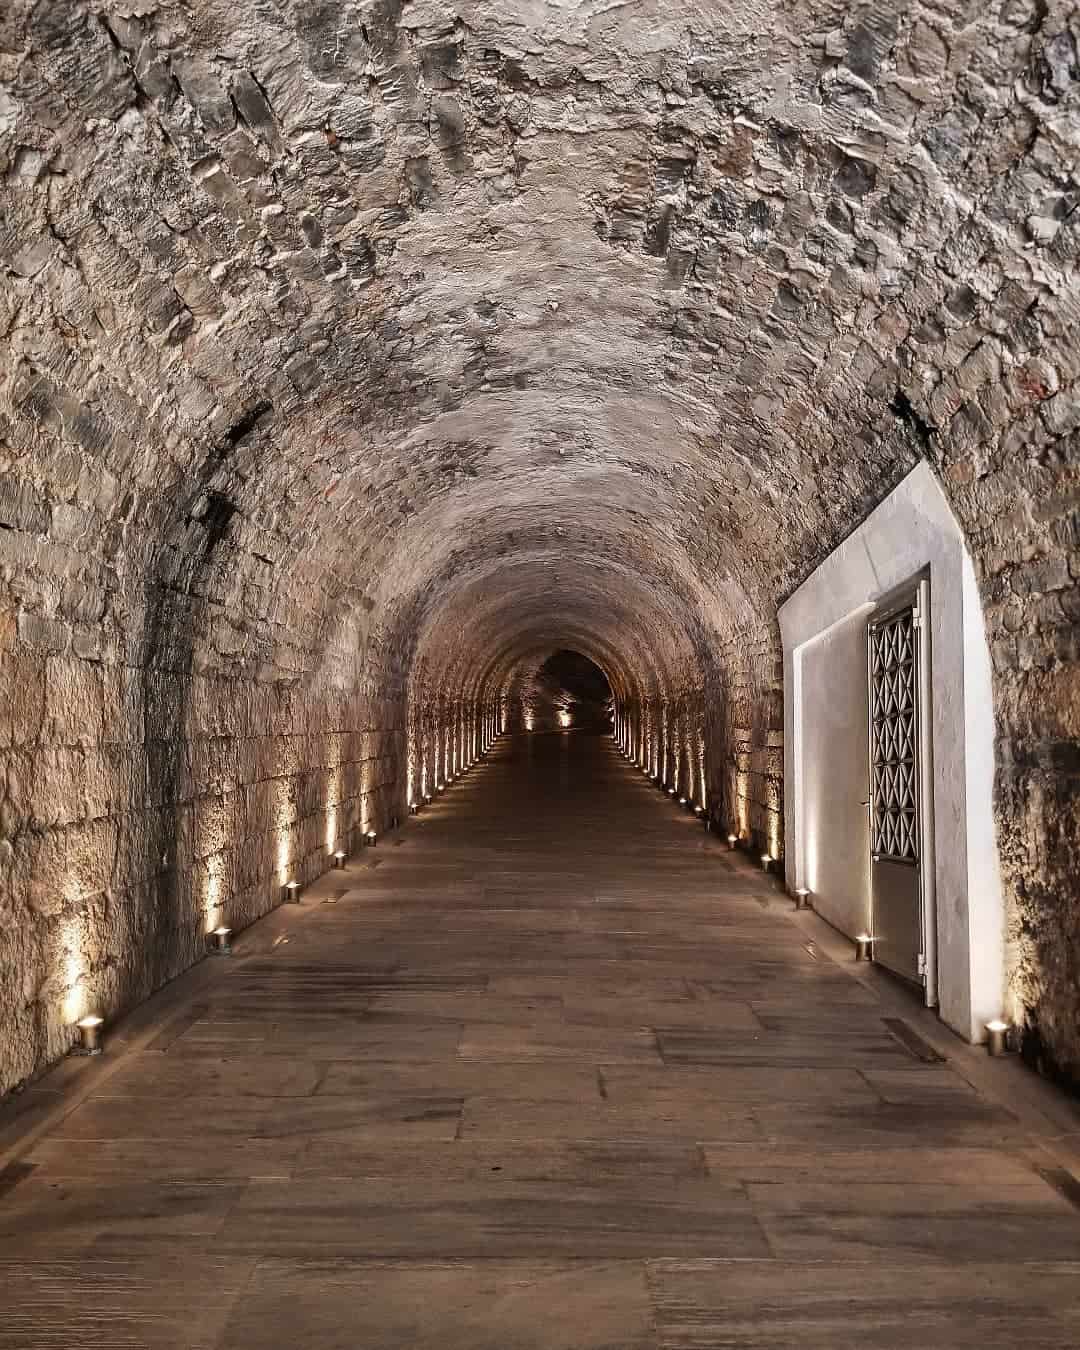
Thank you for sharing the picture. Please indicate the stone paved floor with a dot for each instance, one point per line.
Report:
(549, 1069)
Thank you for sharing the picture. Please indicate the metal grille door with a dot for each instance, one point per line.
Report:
(896, 892)
(894, 695)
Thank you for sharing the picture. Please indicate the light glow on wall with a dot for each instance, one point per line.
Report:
(215, 877)
(284, 830)
(333, 794)
(74, 972)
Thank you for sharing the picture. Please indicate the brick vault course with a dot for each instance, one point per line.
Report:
(357, 355)
(558, 1072)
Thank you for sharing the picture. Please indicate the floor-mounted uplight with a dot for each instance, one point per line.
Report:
(997, 1037)
(802, 897)
(766, 862)
(732, 840)
(222, 945)
(864, 947)
(89, 1035)
(290, 893)
(339, 859)
(414, 808)
(371, 838)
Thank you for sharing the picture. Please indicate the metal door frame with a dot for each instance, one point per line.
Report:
(913, 594)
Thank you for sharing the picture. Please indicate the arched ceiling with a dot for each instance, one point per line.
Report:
(528, 323)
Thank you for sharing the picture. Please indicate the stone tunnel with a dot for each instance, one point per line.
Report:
(385, 379)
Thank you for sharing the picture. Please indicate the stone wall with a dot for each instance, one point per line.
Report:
(721, 743)
(142, 808)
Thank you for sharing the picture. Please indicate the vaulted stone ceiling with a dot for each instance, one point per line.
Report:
(415, 286)
(367, 342)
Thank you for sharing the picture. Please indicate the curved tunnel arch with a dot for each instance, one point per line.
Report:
(326, 337)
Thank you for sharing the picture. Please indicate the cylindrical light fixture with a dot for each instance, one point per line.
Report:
(371, 838)
(732, 840)
(222, 946)
(290, 893)
(802, 897)
(997, 1037)
(766, 861)
(864, 947)
(89, 1034)
(414, 808)
(339, 859)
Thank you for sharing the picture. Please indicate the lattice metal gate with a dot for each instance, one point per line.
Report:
(896, 790)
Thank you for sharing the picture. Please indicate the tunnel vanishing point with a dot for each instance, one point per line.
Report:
(363, 366)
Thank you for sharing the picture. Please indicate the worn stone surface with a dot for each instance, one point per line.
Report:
(583, 1100)
(354, 354)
